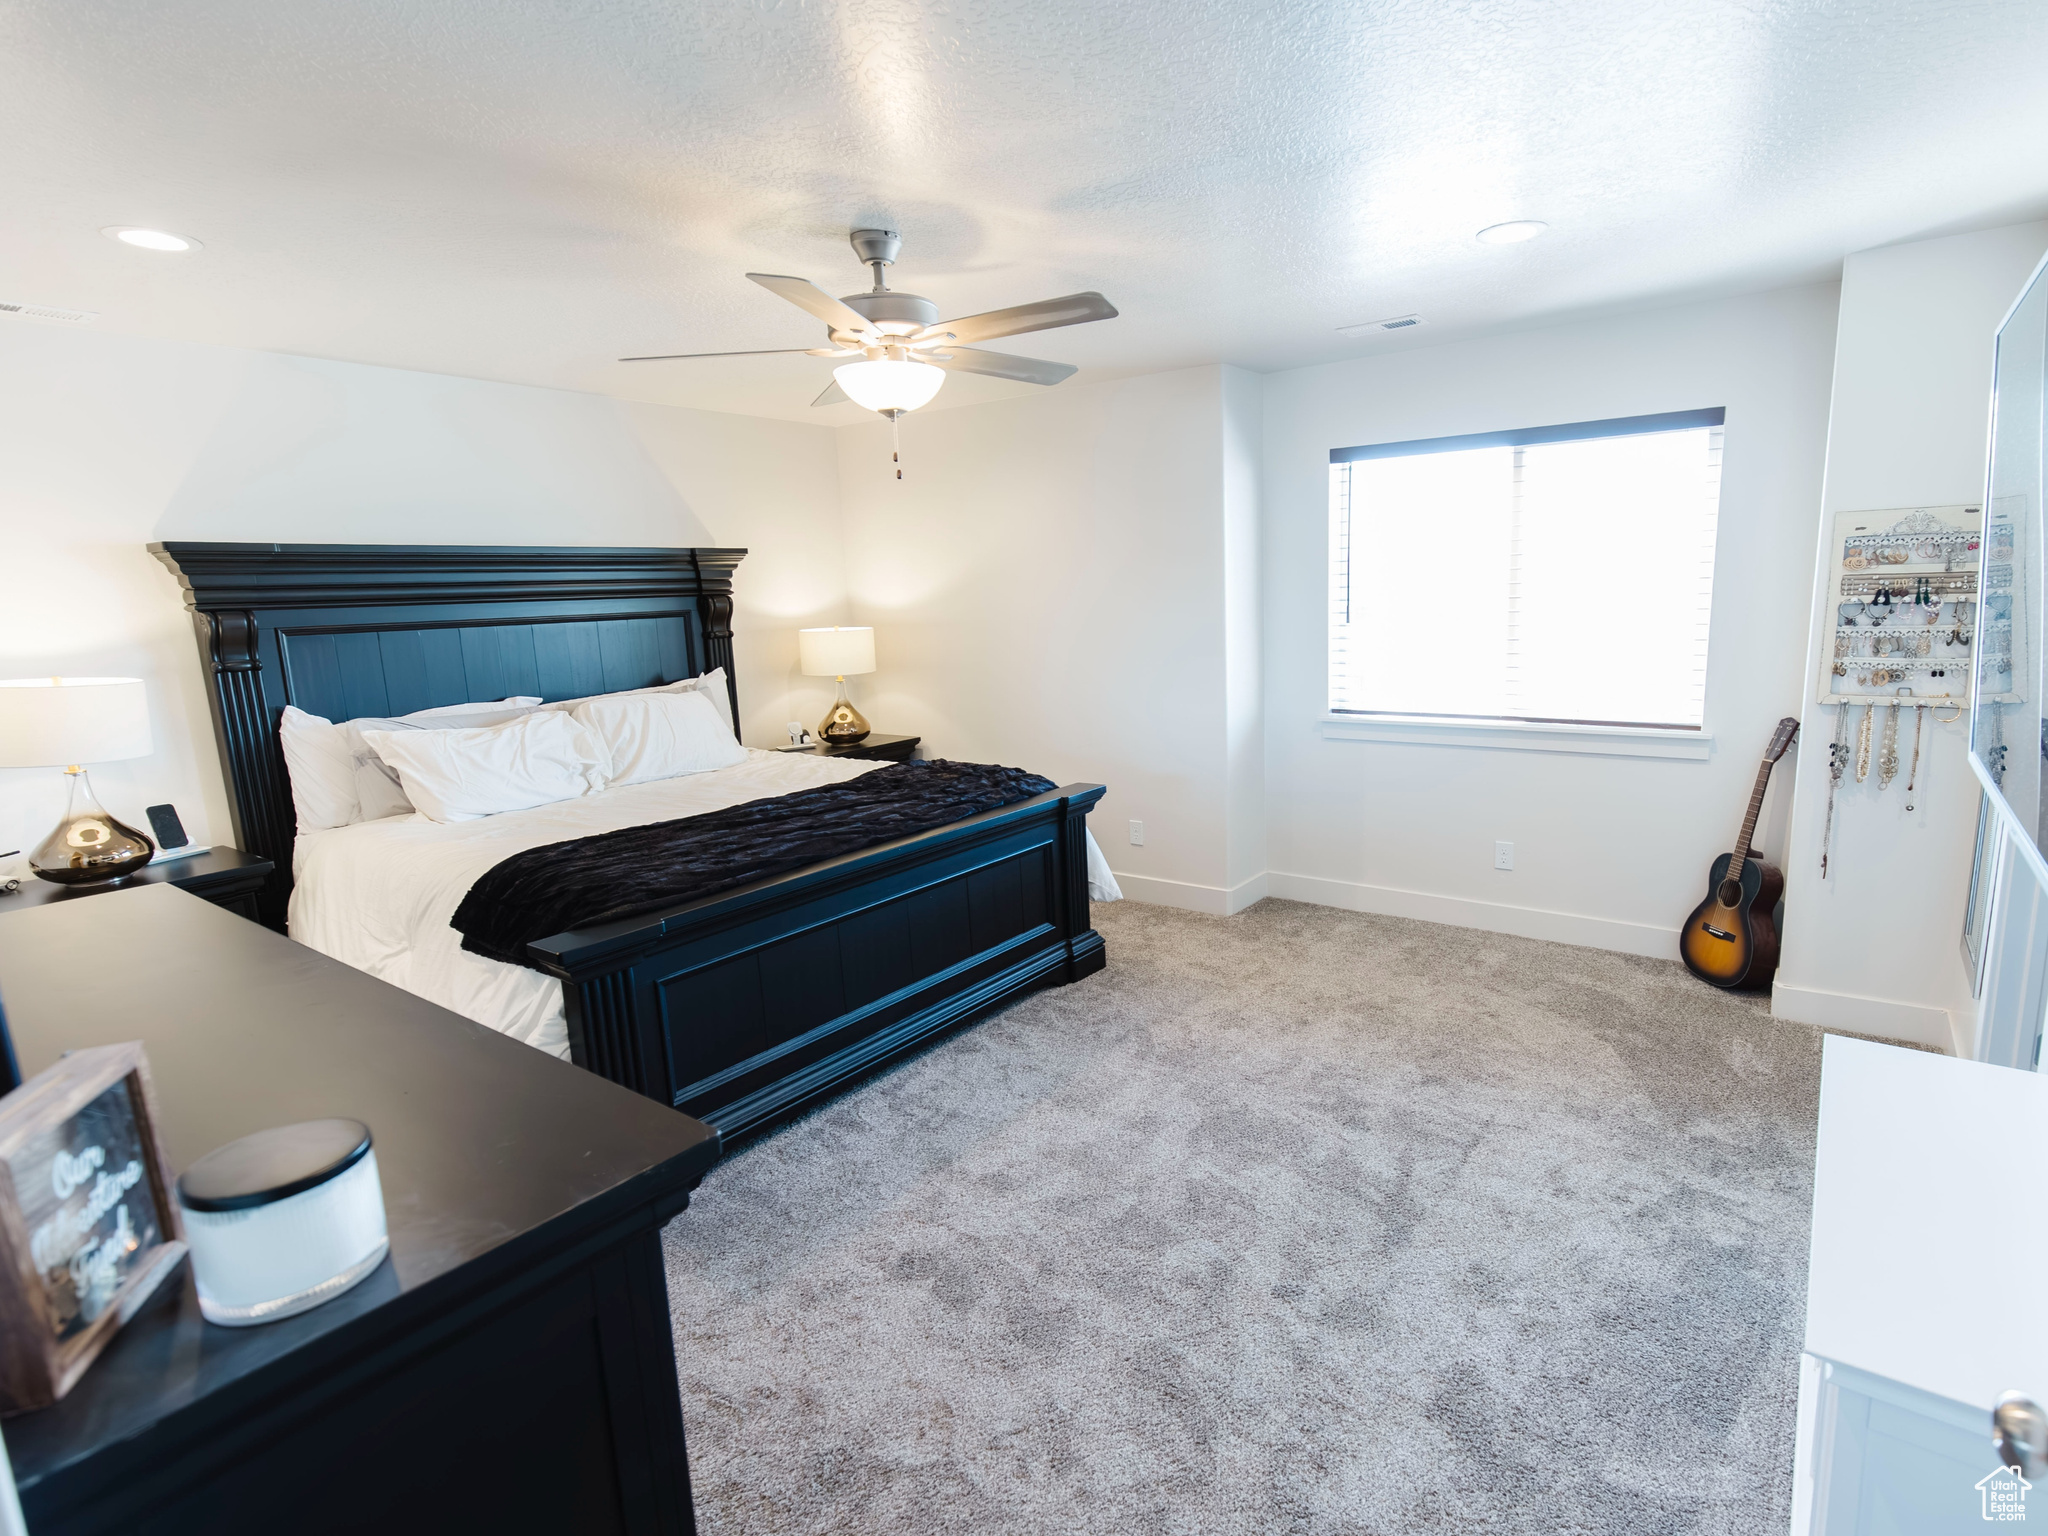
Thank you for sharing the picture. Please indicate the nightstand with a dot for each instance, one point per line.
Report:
(889, 749)
(227, 877)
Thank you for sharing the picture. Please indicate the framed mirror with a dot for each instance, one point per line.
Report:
(2007, 740)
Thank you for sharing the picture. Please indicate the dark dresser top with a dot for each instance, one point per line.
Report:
(490, 1152)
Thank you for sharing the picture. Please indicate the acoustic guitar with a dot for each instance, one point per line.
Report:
(1731, 939)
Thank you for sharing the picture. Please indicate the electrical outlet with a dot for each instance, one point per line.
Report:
(1503, 855)
(1137, 834)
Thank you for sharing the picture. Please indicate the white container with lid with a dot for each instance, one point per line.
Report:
(283, 1220)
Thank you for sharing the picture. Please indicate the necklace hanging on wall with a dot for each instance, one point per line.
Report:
(1888, 749)
(1863, 744)
(1913, 774)
(1838, 759)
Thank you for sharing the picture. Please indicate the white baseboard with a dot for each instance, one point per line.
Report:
(1921, 1023)
(1246, 892)
(1650, 939)
(1962, 1031)
(1216, 900)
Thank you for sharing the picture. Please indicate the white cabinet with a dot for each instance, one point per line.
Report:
(1929, 1248)
(1887, 1459)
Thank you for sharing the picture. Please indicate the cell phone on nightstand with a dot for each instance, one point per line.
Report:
(172, 840)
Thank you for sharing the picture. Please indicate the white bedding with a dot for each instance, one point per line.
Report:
(378, 895)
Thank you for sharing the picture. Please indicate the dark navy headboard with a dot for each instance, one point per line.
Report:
(347, 630)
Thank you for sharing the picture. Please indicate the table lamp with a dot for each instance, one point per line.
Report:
(842, 652)
(65, 722)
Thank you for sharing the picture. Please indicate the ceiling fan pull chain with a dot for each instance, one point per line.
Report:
(896, 441)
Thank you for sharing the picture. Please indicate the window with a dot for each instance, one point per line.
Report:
(1558, 574)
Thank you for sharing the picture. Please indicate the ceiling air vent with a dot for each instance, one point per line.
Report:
(1374, 327)
(47, 312)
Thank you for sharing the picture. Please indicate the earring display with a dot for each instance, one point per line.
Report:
(1907, 609)
(1906, 588)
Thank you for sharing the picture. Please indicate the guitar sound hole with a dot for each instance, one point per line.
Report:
(1730, 893)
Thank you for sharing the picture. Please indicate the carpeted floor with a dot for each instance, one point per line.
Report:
(1297, 1221)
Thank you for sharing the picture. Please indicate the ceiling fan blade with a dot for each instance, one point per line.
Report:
(1074, 309)
(833, 395)
(670, 357)
(999, 365)
(809, 296)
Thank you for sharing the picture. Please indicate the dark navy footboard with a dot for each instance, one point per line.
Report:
(748, 1006)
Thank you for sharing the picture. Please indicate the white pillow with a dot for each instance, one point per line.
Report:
(711, 685)
(451, 714)
(338, 781)
(377, 786)
(460, 775)
(323, 771)
(657, 735)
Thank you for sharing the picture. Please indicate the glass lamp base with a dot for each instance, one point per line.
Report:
(843, 725)
(89, 846)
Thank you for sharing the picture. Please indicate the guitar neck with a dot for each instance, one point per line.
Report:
(1756, 803)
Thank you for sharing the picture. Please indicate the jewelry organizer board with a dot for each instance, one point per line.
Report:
(1903, 592)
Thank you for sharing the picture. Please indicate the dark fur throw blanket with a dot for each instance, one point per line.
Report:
(592, 880)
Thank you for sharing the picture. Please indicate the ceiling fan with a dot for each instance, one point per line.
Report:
(904, 349)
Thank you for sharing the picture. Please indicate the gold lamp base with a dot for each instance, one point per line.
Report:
(89, 846)
(843, 725)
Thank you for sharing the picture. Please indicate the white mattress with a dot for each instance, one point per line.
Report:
(378, 895)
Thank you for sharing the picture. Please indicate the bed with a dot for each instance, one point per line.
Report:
(739, 1008)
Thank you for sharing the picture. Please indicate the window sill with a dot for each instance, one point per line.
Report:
(1515, 736)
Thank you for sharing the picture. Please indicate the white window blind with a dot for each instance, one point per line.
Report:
(1560, 574)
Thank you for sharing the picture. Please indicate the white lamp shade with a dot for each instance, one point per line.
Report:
(53, 722)
(841, 652)
(886, 384)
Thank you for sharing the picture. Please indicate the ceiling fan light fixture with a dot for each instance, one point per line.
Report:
(890, 384)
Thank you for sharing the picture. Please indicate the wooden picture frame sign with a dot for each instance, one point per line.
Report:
(89, 1225)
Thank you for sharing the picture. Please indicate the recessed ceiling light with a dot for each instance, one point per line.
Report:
(1512, 231)
(150, 239)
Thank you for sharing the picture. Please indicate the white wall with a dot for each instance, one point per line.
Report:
(1244, 720)
(1608, 851)
(112, 442)
(1047, 585)
(1875, 947)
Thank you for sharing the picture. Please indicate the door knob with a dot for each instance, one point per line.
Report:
(2019, 1432)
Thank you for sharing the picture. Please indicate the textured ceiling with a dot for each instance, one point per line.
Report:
(519, 190)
